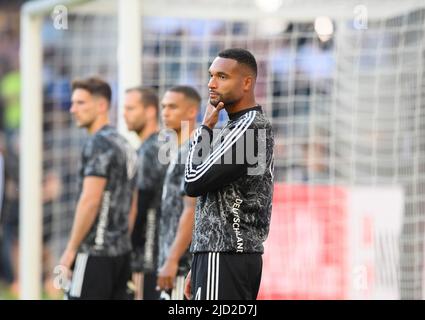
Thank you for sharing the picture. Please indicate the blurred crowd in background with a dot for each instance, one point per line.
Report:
(291, 89)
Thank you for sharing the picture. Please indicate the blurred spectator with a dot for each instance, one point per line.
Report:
(2, 171)
(10, 216)
(4, 66)
(10, 89)
(10, 221)
(315, 60)
(316, 162)
(52, 189)
(58, 90)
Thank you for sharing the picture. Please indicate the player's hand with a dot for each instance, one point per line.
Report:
(66, 262)
(167, 275)
(211, 115)
(187, 286)
(68, 258)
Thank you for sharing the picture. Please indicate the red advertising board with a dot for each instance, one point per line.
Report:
(306, 251)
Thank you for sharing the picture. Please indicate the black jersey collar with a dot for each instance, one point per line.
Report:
(104, 127)
(237, 115)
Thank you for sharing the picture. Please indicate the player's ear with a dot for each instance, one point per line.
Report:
(193, 111)
(150, 112)
(248, 83)
(102, 104)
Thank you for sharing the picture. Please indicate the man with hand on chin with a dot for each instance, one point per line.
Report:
(232, 176)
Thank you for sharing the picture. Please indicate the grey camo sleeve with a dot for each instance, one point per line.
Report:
(210, 168)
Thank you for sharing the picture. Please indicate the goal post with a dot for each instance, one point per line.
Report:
(342, 83)
(128, 61)
(30, 164)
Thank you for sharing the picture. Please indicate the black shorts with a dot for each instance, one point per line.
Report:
(145, 284)
(226, 276)
(100, 277)
(177, 293)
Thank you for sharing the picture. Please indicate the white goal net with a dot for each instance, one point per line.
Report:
(344, 87)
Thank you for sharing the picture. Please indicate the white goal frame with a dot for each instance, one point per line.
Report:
(129, 66)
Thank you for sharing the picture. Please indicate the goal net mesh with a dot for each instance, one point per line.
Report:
(348, 112)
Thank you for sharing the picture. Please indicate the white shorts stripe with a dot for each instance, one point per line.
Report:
(212, 276)
(208, 277)
(177, 289)
(195, 174)
(78, 278)
(177, 293)
(173, 294)
(217, 275)
(181, 295)
(227, 140)
(75, 275)
(138, 285)
(82, 272)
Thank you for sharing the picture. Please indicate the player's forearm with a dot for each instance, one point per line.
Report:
(200, 148)
(85, 215)
(183, 236)
(133, 212)
(198, 154)
(219, 168)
